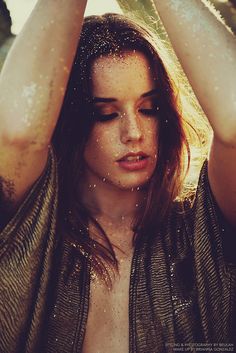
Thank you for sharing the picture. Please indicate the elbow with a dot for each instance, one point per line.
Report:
(226, 130)
(227, 138)
(21, 142)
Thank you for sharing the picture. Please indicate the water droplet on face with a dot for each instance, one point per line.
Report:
(104, 179)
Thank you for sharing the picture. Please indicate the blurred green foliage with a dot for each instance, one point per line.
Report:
(144, 10)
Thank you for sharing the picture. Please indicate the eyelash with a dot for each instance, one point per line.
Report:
(107, 117)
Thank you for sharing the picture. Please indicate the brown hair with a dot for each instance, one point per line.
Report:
(104, 35)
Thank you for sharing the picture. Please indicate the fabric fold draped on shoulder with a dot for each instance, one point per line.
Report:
(26, 250)
(215, 280)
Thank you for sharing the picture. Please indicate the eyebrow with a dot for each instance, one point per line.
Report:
(110, 100)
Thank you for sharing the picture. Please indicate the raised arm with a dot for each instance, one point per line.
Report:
(32, 86)
(207, 51)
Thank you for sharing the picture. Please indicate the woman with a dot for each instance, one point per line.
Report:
(73, 279)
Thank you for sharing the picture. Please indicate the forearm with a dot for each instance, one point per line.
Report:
(36, 72)
(207, 51)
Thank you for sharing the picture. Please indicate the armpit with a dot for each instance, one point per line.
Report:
(7, 191)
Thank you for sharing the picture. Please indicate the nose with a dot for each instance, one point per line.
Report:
(131, 128)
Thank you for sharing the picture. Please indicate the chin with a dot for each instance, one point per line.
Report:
(133, 184)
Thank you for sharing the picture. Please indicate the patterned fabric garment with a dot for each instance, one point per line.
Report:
(182, 284)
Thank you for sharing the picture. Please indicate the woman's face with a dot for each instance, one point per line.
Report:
(122, 147)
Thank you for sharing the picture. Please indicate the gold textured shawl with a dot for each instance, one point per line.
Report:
(26, 249)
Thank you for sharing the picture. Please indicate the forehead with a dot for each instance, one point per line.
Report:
(125, 72)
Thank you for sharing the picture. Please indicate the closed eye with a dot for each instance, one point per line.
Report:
(104, 117)
(149, 112)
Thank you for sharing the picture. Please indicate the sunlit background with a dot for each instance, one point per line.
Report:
(21, 9)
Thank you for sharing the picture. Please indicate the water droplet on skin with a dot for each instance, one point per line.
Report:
(94, 185)
(104, 179)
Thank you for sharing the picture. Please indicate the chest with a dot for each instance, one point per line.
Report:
(107, 328)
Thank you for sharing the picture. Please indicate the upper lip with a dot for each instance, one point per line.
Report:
(133, 154)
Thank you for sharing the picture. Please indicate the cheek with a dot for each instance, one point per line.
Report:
(151, 131)
(100, 145)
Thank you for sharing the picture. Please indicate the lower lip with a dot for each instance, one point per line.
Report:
(134, 165)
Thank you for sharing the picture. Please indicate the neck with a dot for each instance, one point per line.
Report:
(107, 201)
